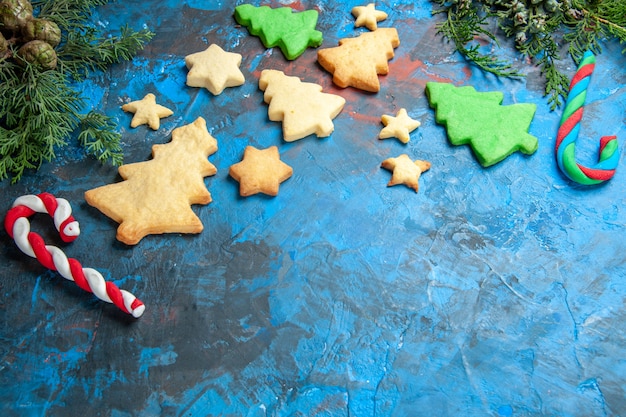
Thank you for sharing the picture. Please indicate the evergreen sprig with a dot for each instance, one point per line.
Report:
(97, 135)
(462, 28)
(40, 109)
(38, 114)
(538, 27)
(85, 52)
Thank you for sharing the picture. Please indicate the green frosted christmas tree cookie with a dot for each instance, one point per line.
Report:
(291, 31)
(480, 120)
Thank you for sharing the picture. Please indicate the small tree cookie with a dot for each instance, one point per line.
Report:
(302, 107)
(356, 62)
(291, 31)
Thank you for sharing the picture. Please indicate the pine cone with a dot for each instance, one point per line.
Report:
(38, 53)
(14, 13)
(43, 30)
(4, 45)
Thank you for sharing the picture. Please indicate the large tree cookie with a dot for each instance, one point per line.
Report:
(291, 31)
(156, 195)
(357, 62)
(214, 69)
(260, 171)
(302, 107)
(480, 120)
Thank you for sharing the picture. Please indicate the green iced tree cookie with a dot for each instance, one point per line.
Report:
(480, 120)
(291, 32)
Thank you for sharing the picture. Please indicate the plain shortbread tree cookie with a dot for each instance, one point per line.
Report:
(156, 195)
(302, 107)
(357, 62)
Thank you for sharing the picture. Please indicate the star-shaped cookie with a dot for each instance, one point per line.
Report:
(398, 127)
(147, 111)
(368, 16)
(214, 69)
(260, 171)
(405, 171)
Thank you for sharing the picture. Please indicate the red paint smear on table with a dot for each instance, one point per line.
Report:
(296, 6)
(361, 117)
(404, 69)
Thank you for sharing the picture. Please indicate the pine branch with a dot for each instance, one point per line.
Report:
(38, 112)
(536, 25)
(70, 15)
(39, 108)
(99, 138)
(87, 52)
(462, 26)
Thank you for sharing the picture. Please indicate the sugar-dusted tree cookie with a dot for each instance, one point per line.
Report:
(156, 195)
(302, 107)
(356, 62)
(480, 120)
(291, 31)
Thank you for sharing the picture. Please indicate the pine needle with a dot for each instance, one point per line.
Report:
(40, 109)
(537, 26)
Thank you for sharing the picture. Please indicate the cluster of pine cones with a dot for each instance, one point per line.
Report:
(523, 17)
(26, 39)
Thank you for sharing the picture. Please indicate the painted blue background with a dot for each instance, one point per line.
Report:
(494, 291)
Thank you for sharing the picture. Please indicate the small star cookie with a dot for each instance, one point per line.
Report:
(405, 171)
(214, 69)
(368, 16)
(398, 127)
(260, 171)
(147, 111)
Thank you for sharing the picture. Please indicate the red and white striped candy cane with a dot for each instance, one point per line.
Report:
(18, 227)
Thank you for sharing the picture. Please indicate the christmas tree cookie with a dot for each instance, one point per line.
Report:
(357, 62)
(156, 195)
(302, 107)
(291, 31)
(480, 120)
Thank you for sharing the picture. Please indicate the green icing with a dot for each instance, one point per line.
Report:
(480, 120)
(291, 31)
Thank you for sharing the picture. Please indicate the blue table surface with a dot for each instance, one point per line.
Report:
(491, 292)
